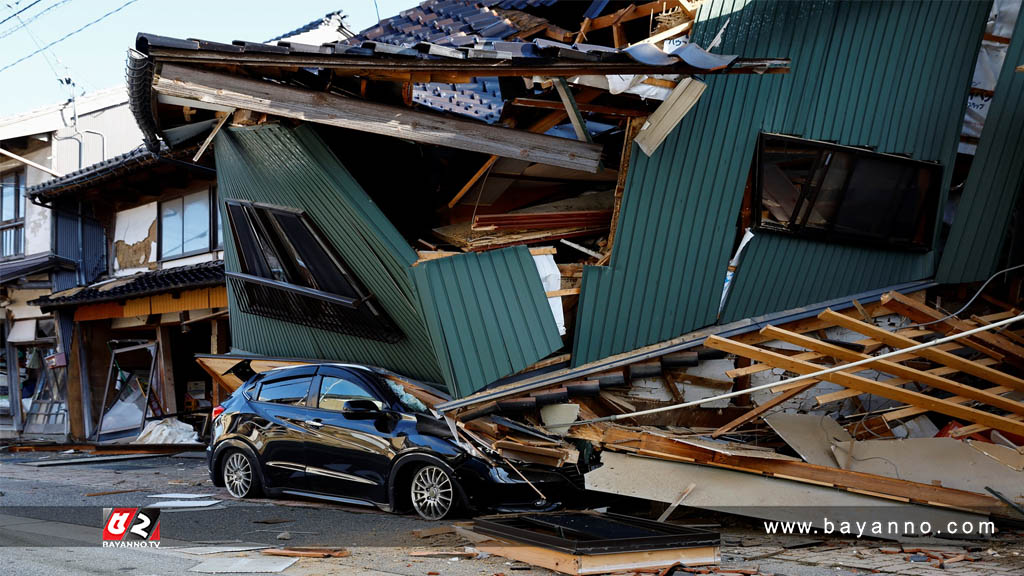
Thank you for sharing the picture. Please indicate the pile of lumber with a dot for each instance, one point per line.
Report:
(940, 427)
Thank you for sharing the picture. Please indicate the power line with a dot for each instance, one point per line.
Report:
(69, 34)
(19, 11)
(28, 21)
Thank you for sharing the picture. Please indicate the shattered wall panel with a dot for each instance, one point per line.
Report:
(865, 74)
(994, 181)
(488, 314)
(293, 167)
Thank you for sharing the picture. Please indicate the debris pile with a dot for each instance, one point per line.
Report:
(893, 406)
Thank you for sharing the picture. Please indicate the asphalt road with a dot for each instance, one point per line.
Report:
(51, 524)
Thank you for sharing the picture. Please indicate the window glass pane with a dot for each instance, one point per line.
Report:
(291, 391)
(311, 255)
(220, 223)
(7, 197)
(248, 248)
(197, 222)
(170, 228)
(334, 391)
(837, 193)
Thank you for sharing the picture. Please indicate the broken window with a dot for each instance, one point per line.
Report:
(189, 224)
(838, 193)
(12, 213)
(291, 273)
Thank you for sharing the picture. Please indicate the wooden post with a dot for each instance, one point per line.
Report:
(218, 345)
(74, 376)
(166, 360)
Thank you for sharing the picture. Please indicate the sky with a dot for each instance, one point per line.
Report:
(94, 58)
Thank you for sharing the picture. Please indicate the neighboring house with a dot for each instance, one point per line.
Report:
(160, 298)
(42, 250)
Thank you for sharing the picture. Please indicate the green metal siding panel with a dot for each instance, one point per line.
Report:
(863, 73)
(994, 182)
(468, 319)
(490, 312)
(293, 167)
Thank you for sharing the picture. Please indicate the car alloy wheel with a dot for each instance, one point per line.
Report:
(238, 475)
(433, 492)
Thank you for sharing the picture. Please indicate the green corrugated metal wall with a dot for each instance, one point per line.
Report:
(293, 167)
(995, 181)
(489, 328)
(893, 75)
(463, 322)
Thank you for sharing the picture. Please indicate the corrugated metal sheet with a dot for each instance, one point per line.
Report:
(282, 166)
(864, 73)
(489, 312)
(468, 319)
(995, 181)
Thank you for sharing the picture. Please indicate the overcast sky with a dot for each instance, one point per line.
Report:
(94, 57)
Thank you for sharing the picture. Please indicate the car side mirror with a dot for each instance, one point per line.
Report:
(360, 407)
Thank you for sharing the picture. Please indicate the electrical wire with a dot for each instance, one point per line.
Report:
(971, 301)
(33, 18)
(19, 11)
(69, 34)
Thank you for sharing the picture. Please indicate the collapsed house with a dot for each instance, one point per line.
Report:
(569, 220)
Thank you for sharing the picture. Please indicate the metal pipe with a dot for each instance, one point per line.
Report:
(813, 375)
(103, 142)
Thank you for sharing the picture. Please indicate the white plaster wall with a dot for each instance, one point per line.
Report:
(120, 134)
(132, 227)
(37, 218)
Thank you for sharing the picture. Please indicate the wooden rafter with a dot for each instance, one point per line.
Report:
(869, 386)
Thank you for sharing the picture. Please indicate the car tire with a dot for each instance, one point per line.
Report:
(435, 494)
(239, 473)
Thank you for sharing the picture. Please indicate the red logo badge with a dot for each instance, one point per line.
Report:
(138, 525)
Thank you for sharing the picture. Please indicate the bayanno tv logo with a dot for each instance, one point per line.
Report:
(131, 527)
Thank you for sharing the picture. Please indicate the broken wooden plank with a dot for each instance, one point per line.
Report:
(942, 357)
(563, 292)
(870, 386)
(668, 114)
(765, 407)
(898, 370)
(579, 124)
(213, 133)
(983, 342)
(375, 118)
(940, 371)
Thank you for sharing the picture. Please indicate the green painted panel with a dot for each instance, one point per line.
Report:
(293, 167)
(995, 181)
(491, 311)
(468, 319)
(863, 73)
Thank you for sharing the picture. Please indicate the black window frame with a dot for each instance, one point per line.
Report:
(17, 223)
(928, 209)
(308, 377)
(338, 301)
(216, 240)
(375, 392)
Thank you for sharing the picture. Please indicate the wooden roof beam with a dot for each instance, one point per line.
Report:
(375, 118)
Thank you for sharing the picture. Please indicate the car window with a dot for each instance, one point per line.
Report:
(336, 390)
(290, 391)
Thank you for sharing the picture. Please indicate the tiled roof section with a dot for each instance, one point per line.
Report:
(449, 23)
(437, 21)
(141, 284)
(309, 27)
(134, 159)
(480, 99)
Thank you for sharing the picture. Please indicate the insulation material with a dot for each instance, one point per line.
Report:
(167, 431)
(551, 278)
(1001, 22)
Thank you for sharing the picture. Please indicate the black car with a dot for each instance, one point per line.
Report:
(352, 434)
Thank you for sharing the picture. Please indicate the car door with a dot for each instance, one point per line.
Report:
(281, 431)
(349, 454)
